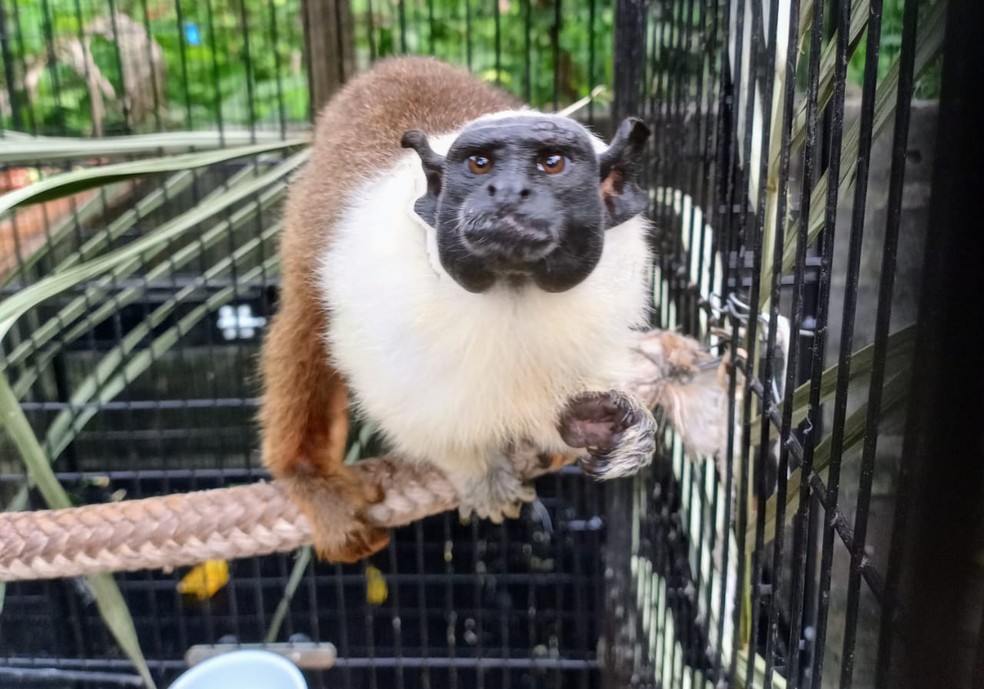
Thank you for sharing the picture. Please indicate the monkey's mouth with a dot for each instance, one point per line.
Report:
(508, 242)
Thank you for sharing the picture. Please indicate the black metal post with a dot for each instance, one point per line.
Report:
(629, 59)
(329, 47)
(629, 68)
(943, 453)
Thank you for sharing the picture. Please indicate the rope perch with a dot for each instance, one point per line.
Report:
(258, 519)
(184, 529)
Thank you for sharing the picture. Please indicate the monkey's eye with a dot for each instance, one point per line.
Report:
(479, 164)
(551, 163)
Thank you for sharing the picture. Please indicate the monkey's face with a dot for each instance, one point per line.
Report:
(526, 199)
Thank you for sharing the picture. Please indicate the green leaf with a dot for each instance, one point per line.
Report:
(105, 381)
(929, 42)
(24, 148)
(825, 88)
(898, 353)
(56, 325)
(86, 212)
(894, 397)
(283, 607)
(80, 180)
(107, 594)
(17, 305)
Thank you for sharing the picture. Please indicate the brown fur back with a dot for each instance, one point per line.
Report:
(304, 415)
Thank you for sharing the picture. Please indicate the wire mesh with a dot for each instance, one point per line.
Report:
(779, 165)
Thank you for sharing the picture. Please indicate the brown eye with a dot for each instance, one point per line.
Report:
(479, 164)
(551, 163)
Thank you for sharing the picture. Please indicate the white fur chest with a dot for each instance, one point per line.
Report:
(445, 372)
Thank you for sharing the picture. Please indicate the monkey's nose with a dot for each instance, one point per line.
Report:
(509, 192)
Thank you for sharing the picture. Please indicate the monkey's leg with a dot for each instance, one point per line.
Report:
(616, 429)
(491, 488)
(305, 422)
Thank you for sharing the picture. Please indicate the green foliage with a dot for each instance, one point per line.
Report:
(215, 54)
(239, 62)
(928, 85)
(536, 39)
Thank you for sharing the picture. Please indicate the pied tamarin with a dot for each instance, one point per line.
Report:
(458, 268)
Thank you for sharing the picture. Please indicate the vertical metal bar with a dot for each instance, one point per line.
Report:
(592, 33)
(629, 65)
(629, 58)
(127, 115)
(555, 38)
(723, 203)
(618, 593)
(430, 43)
(425, 677)
(801, 529)
(401, 13)
(882, 318)
(846, 345)
(397, 621)
(468, 34)
(789, 103)
(369, 623)
(370, 31)
(329, 50)
(942, 517)
(183, 52)
(497, 20)
(47, 28)
(527, 6)
(32, 123)
(343, 623)
(893, 221)
(740, 195)
(478, 576)
(13, 97)
(450, 614)
(156, 79)
(819, 342)
(757, 245)
(505, 618)
(277, 72)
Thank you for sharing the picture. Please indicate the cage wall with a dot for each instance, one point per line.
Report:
(790, 184)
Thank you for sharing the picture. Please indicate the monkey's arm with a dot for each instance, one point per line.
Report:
(671, 372)
(305, 421)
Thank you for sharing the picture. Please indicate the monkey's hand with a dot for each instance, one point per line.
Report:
(616, 429)
(335, 506)
(498, 493)
(690, 386)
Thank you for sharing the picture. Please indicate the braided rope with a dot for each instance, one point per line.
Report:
(188, 528)
(257, 519)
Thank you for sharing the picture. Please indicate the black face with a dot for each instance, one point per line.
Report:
(526, 199)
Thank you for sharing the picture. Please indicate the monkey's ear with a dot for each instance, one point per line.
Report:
(621, 169)
(426, 206)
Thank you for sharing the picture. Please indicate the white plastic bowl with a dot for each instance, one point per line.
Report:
(243, 670)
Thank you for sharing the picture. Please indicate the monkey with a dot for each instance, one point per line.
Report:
(470, 272)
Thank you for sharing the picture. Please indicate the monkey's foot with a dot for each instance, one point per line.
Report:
(616, 429)
(497, 494)
(334, 506)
